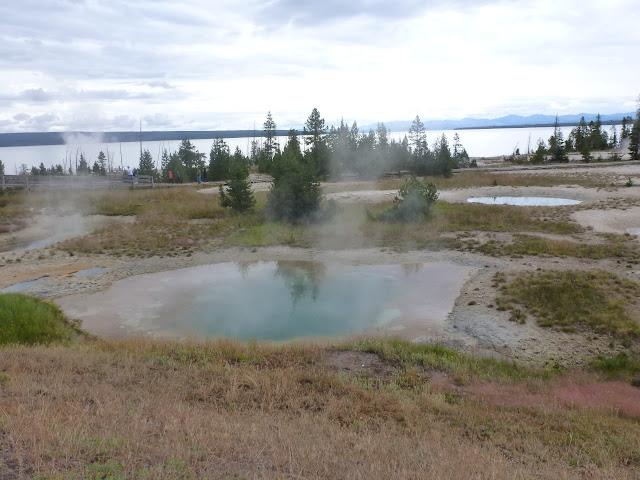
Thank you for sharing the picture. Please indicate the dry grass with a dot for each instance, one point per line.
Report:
(601, 301)
(477, 179)
(616, 246)
(143, 409)
(168, 222)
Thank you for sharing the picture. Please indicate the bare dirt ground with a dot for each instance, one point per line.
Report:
(473, 324)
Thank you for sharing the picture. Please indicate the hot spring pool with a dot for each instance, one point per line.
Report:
(273, 300)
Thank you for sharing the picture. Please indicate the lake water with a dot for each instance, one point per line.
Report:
(273, 301)
(479, 143)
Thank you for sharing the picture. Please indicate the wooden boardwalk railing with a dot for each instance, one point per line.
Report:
(74, 182)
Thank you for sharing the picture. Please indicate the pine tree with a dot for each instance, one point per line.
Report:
(270, 135)
(219, 160)
(238, 195)
(191, 159)
(147, 165)
(634, 141)
(418, 138)
(625, 132)
(444, 160)
(1, 168)
(315, 131)
(295, 193)
(102, 161)
(539, 155)
(171, 162)
(557, 145)
(634, 136)
(83, 166)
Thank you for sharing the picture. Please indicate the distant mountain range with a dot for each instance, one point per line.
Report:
(510, 121)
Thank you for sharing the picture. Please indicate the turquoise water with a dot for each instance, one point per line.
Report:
(272, 300)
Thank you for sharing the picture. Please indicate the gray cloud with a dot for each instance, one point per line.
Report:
(36, 123)
(192, 63)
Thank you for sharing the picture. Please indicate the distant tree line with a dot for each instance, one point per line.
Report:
(584, 139)
(338, 150)
(332, 151)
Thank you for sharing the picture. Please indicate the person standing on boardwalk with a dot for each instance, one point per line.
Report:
(170, 176)
(178, 178)
(199, 177)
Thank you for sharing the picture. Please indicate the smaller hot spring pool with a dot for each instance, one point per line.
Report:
(19, 287)
(524, 201)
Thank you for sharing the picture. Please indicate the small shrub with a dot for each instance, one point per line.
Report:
(239, 195)
(413, 202)
(518, 316)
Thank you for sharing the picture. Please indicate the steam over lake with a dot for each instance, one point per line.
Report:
(479, 143)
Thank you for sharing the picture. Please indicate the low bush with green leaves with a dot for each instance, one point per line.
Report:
(413, 202)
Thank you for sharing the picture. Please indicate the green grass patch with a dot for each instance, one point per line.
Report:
(600, 301)
(28, 320)
(622, 363)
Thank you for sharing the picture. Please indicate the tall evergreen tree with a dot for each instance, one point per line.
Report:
(634, 135)
(613, 142)
(634, 141)
(191, 159)
(315, 131)
(270, 137)
(102, 161)
(444, 160)
(83, 166)
(418, 138)
(171, 162)
(598, 137)
(557, 144)
(238, 195)
(219, 160)
(147, 165)
(295, 192)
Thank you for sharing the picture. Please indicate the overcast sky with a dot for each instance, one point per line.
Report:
(102, 65)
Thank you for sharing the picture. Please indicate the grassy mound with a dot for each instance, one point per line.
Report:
(28, 320)
(564, 300)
